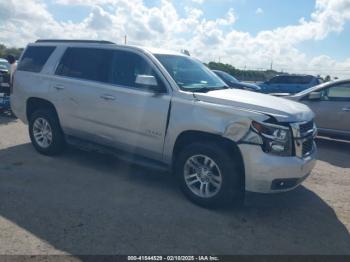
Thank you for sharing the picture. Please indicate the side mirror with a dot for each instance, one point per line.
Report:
(146, 80)
(149, 82)
(314, 96)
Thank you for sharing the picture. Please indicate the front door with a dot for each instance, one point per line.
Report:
(333, 109)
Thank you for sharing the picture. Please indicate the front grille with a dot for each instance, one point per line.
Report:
(305, 127)
(303, 134)
(307, 146)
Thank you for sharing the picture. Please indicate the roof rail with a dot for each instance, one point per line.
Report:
(73, 41)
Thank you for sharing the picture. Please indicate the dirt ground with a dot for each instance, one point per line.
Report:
(85, 203)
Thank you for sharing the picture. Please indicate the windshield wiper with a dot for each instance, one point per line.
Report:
(207, 89)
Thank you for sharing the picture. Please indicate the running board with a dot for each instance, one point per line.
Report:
(122, 155)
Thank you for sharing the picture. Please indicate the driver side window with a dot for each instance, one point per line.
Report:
(126, 66)
(337, 93)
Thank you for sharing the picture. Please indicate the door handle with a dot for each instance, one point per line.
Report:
(107, 97)
(59, 87)
(346, 109)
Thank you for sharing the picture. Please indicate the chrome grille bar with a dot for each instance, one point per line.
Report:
(303, 135)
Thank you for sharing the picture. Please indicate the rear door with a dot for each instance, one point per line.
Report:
(333, 109)
(75, 88)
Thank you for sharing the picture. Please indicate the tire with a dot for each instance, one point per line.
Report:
(226, 166)
(57, 143)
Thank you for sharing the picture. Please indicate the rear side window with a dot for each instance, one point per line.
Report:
(86, 63)
(34, 58)
(299, 80)
(278, 80)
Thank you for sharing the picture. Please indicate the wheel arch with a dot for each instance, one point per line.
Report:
(193, 136)
(35, 103)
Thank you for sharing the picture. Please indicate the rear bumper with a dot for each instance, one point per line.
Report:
(265, 173)
(18, 108)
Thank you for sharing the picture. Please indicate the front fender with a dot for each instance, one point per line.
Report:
(195, 115)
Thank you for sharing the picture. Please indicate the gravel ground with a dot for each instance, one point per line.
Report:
(85, 203)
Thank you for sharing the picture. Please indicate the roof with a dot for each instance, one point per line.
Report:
(161, 51)
(103, 42)
(73, 41)
(286, 74)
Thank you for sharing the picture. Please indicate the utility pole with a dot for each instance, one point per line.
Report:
(125, 39)
(271, 65)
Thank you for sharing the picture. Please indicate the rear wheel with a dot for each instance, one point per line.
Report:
(45, 132)
(209, 175)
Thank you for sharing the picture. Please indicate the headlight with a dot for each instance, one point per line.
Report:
(276, 139)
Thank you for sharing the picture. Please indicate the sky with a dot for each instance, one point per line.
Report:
(296, 36)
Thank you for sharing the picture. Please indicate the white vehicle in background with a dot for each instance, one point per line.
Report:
(163, 109)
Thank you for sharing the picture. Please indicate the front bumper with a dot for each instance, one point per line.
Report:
(266, 173)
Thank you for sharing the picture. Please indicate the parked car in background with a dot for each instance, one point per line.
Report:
(4, 76)
(233, 82)
(331, 105)
(284, 85)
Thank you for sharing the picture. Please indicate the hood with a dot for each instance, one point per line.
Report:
(250, 85)
(282, 109)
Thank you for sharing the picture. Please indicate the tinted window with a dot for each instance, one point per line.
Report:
(301, 80)
(127, 65)
(86, 63)
(277, 80)
(296, 80)
(226, 77)
(35, 58)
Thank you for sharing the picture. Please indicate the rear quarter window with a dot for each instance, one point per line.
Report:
(34, 58)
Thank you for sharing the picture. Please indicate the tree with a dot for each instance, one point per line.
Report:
(5, 51)
(245, 75)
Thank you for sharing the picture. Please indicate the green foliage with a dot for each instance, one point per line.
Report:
(244, 75)
(5, 51)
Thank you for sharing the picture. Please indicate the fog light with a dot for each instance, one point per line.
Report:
(279, 184)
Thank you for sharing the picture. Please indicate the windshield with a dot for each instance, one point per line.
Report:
(4, 65)
(227, 77)
(189, 74)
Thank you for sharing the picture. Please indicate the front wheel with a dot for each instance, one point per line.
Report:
(45, 132)
(209, 175)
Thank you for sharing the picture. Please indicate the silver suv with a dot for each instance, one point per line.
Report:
(163, 109)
